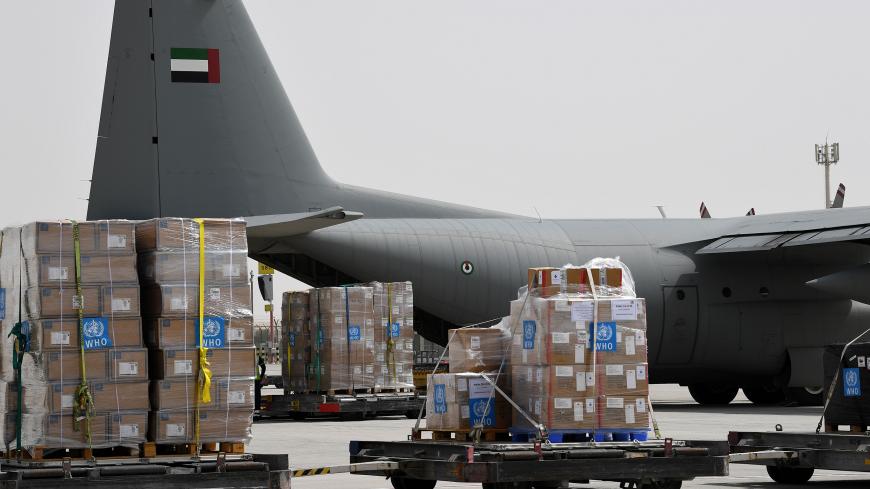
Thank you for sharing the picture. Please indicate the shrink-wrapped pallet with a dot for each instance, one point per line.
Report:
(195, 271)
(393, 311)
(71, 297)
(476, 349)
(295, 344)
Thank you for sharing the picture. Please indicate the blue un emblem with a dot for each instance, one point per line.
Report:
(353, 332)
(440, 398)
(529, 327)
(851, 382)
(605, 336)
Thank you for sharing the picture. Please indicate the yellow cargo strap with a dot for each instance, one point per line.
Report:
(204, 375)
(83, 407)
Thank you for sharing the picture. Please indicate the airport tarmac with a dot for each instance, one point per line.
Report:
(319, 443)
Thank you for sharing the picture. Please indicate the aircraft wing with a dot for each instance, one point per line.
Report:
(793, 229)
(284, 225)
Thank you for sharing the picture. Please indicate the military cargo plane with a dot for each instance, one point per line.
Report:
(195, 122)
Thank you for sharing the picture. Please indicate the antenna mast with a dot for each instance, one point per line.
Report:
(827, 154)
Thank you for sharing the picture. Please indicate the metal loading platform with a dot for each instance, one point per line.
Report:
(418, 464)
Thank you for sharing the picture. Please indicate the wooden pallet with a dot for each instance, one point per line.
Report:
(398, 390)
(463, 435)
(340, 392)
(153, 449)
(854, 428)
(41, 452)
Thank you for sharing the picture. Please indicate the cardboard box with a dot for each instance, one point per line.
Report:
(181, 363)
(458, 402)
(545, 281)
(180, 394)
(476, 349)
(629, 380)
(220, 425)
(177, 234)
(627, 412)
(178, 332)
(128, 364)
(576, 279)
(65, 365)
(58, 431)
(183, 301)
(100, 268)
(221, 267)
(127, 428)
(99, 300)
(113, 236)
(58, 397)
(54, 334)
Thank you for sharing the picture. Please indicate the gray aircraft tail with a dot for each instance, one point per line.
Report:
(195, 121)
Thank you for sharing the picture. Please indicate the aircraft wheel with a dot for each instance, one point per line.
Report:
(763, 394)
(507, 485)
(807, 396)
(664, 484)
(789, 475)
(713, 394)
(408, 483)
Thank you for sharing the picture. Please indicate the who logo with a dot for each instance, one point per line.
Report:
(604, 334)
(851, 382)
(213, 332)
(95, 333)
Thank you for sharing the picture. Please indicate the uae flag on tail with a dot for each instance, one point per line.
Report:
(195, 65)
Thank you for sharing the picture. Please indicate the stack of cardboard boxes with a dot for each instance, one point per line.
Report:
(341, 331)
(169, 267)
(39, 274)
(579, 361)
(296, 348)
(393, 304)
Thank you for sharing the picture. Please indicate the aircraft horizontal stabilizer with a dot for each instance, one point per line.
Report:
(284, 225)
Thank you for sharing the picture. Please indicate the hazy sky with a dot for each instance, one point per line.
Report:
(578, 109)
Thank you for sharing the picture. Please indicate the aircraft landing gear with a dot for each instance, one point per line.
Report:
(806, 396)
(764, 394)
(713, 394)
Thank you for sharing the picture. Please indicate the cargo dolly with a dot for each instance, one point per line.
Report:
(419, 464)
(345, 406)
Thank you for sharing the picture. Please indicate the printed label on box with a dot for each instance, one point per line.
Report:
(640, 405)
(183, 367)
(537, 407)
(578, 411)
(462, 384)
(629, 414)
(581, 381)
(128, 368)
(129, 431)
(213, 332)
(629, 345)
(238, 334)
(379, 357)
(590, 379)
(590, 405)
(58, 273)
(862, 362)
(613, 369)
(236, 397)
(562, 403)
(579, 354)
(174, 430)
(562, 306)
(116, 241)
(78, 301)
(539, 375)
(605, 336)
(475, 342)
(556, 277)
(851, 382)
(231, 270)
(630, 379)
(440, 398)
(641, 372)
(529, 327)
(482, 411)
(564, 371)
(357, 369)
(558, 338)
(178, 303)
(618, 336)
(60, 337)
(370, 369)
(66, 401)
(480, 388)
(640, 337)
(96, 333)
(463, 411)
(582, 311)
(214, 293)
(615, 403)
(623, 310)
(120, 303)
(353, 332)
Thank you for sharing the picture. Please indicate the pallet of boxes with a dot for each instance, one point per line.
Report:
(75, 372)
(393, 310)
(199, 330)
(295, 347)
(578, 355)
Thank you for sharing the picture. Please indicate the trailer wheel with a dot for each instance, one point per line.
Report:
(408, 483)
(790, 475)
(507, 485)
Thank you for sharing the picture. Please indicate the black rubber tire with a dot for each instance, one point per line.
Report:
(665, 484)
(789, 475)
(352, 416)
(763, 395)
(507, 485)
(802, 397)
(412, 414)
(408, 483)
(713, 394)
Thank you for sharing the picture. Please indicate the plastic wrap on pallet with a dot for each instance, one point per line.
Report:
(295, 344)
(169, 264)
(462, 401)
(342, 335)
(577, 351)
(477, 349)
(393, 308)
(38, 276)
(850, 395)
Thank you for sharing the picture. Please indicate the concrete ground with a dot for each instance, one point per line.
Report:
(319, 443)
